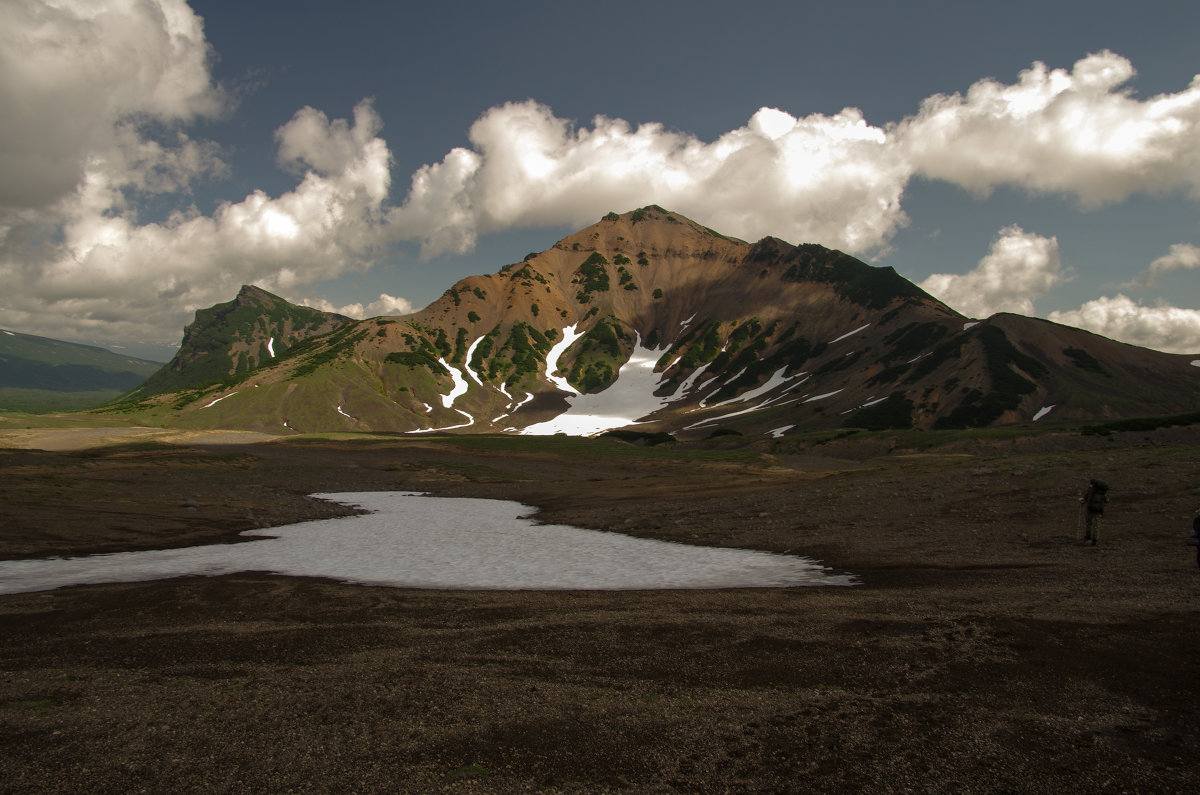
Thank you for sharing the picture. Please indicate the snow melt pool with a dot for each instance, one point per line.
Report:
(411, 540)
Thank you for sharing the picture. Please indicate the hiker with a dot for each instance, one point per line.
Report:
(1093, 505)
(1194, 541)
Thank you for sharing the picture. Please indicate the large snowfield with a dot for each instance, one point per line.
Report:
(415, 541)
(629, 398)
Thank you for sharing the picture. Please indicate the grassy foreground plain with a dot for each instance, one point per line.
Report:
(987, 649)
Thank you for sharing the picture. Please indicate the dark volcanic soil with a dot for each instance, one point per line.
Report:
(987, 649)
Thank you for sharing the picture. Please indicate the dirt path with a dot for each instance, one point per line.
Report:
(986, 650)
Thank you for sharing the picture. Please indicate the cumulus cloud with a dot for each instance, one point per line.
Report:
(1162, 327)
(831, 179)
(835, 178)
(103, 89)
(1079, 133)
(1019, 268)
(108, 269)
(77, 80)
(383, 306)
(1181, 256)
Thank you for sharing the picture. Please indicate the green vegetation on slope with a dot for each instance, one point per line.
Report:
(599, 356)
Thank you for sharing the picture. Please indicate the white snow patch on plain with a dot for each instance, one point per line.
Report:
(460, 384)
(413, 541)
(628, 398)
(271, 347)
(850, 333)
(218, 400)
(1042, 412)
(1195, 363)
(568, 338)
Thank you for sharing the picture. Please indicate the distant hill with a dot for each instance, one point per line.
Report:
(238, 336)
(650, 317)
(38, 374)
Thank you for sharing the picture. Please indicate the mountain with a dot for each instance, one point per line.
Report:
(41, 374)
(650, 316)
(239, 336)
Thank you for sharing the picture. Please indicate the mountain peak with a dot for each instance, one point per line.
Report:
(254, 293)
(249, 332)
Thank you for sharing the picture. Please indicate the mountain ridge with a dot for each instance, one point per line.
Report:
(764, 337)
(40, 373)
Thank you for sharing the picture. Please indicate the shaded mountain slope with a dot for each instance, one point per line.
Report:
(42, 374)
(238, 336)
(650, 316)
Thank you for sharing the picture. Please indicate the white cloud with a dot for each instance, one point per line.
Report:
(831, 179)
(834, 179)
(77, 80)
(1162, 327)
(1019, 267)
(107, 272)
(1079, 133)
(1181, 256)
(96, 94)
(383, 306)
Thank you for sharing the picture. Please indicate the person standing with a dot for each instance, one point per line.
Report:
(1194, 541)
(1093, 501)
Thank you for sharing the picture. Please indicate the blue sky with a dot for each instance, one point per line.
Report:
(1039, 157)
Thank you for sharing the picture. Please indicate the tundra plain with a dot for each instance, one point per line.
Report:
(986, 648)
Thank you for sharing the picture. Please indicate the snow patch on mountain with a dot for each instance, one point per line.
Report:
(622, 403)
(470, 421)
(822, 397)
(467, 364)
(777, 380)
(569, 335)
(218, 400)
(460, 384)
(849, 334)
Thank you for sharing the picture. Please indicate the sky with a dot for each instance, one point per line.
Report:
(1032, 157)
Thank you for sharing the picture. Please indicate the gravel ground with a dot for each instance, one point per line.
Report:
(987, 649)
